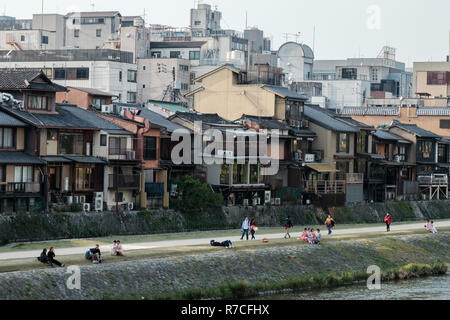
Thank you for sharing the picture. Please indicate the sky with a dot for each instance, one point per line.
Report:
(418, 29)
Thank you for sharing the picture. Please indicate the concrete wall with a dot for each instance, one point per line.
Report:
(32, 39)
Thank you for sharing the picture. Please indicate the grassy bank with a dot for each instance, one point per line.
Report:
(244, 289)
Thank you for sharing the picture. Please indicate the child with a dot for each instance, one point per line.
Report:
(318, 236)
(432, 227)
(304, 236)
(119, 249)
(114, 248)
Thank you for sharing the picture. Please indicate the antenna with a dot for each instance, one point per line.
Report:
(314, 39)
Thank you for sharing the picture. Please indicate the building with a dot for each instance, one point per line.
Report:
(432, 83)
(85, 97)
(204, 20)
(225, 91)
(163, 79)
(106, 70)
(297, 61)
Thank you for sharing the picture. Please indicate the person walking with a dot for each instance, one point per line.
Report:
(388, 221)
(253, 228)
(329, 223)
(288, 225)
(51, 258)
(245, 228)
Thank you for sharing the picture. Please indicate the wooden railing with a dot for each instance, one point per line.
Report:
(326, 186)
(20, 187)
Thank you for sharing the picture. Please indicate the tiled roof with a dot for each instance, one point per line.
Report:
(285, 92)
(386, 135)
(16, 79)
(422, 133)
(266, 122)
(17, 157)
(9, 121)
(370, 111)
(433, 111)
(324, 119)
(173, 107)
(159, 120)
(94, 92)
(355, 123)
(206, 118)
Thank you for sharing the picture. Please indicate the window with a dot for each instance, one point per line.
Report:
(156, 54)
(131, 97)
(425, 149)
(362, 142)
(150, 148)
(240, 173)
(184, 68)
(60, 74)
(225, 175)
(120, 76)
(438, 78)
(84, 179)
(343, 166)
(2, 173)
(48, 72)
(442, 153)
(197, 23)
(6, 138)
(374, 74)
(194, 55)
(117, 146)
(44, 39)
(82, 73)
(76, 33)
(131, 75)
(98, 33)
(103, 140)
(99, 101)
(23, 174)
(175, 54)
(22, 38)
(143, 86)
(184, 86)
(71, 144)
(255, 174)
(118, 196)
(349, 73)
(144, 68)
(342, 143)
(38, 103)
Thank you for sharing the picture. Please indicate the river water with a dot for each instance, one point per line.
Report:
(432, 288)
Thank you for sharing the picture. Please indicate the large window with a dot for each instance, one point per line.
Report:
(342, 143)
(84, 179)
(117, 146)
(44, 39)
(150, 148)
(438, 77)
(362, 142)
(38, 102)
(6, 138)
(98, 33)
(343, 166)
(60, 74)
(175, 54)
(194, 55)
(131, 97)
(425, 149)
(131, 76)
(71, 74)
(71, 144)
(82, 73)
(349, 73)
(442, 153)
(23, 174)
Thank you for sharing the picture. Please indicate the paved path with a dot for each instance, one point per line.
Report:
(205, 241)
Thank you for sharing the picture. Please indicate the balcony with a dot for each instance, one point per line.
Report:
(124, 181)
(326, 186)
(433, 180)
(122, 154)
(20, 187)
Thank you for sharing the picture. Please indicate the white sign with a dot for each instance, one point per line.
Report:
(309, 157)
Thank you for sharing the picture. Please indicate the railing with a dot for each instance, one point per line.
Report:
(433, 180)
(20, 187)
(355, 178)
(326, 186)
(121, 154)
(124, 181)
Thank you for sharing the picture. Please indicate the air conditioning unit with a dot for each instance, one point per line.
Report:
(277, 201)
(82, 199)
(69, 200)
(304, 124)
(131, 155)
(272, 201)
(86, 207)
(267, 197)
(309, 158)
(98, 195)
(256, 201)
(98, 204)
(292, 123)
(130, 206)
(76, 199)
(246, 202)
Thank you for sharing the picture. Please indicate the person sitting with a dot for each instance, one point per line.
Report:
(304, 236)
(94, 255)
(313, 237)
(113, 249)
(428, 227)
(43, 257)
(119, 249)
(318, 236)
(432, 227)
(51, 258)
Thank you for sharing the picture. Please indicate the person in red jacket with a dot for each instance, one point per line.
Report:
(388, 221)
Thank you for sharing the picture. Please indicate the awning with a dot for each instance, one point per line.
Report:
(322, 167)
(21, 158)
(86, 159)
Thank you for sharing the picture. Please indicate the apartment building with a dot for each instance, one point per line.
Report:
(106, 70)
(432, 83)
